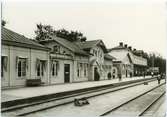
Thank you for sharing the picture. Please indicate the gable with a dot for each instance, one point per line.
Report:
(62, 49)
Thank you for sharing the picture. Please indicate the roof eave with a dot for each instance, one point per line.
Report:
(18, 44)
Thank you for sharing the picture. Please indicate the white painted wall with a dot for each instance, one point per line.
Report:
(11, 77)
(78, 60)
(60, 77)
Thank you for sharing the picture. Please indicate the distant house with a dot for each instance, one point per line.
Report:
(22, 59)
(128, 64)
(54, 60)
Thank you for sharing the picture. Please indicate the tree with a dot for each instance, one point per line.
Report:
(45, 31)
(3, 22)
(155, 60)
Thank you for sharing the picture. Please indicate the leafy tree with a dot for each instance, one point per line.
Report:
(3, 22)
(45, 31)
(157, 61)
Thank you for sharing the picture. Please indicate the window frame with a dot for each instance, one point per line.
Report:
(55, 70)
(21, 69)
(40, 67)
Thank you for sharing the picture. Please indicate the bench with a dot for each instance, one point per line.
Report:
(33, 82)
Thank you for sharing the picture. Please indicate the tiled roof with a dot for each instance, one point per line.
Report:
(139, 60)
(90, 44)
(87, 44)
(12, 38)
(70, 45)
(107, 56)
(116, 48)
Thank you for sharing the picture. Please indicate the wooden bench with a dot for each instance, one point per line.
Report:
(33, 82)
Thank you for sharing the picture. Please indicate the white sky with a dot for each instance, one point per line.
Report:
(138, 23)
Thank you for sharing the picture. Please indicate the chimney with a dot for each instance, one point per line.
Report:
(121, 44)
(130, 48)
(125, 45)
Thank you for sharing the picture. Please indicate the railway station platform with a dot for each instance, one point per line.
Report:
(30, 92)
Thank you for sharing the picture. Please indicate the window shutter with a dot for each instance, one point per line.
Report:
(17, 60)
(27, 63)
(78, 65)
(45, 64)
(51, 65)
(5, 62)
(37, 63)
(57, 65)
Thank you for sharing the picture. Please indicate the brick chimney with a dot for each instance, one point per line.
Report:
(130, 48)
(125, 45)
(121, 44)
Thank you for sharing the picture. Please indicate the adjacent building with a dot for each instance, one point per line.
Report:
(127, 63)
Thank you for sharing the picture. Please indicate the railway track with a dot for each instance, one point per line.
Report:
(138, 100)
(27, 109)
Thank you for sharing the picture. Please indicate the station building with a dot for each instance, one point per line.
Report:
(21, 59)
(127, 63)
(54, 60)
(77, 61)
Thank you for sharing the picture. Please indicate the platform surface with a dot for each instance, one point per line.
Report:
(26, 92)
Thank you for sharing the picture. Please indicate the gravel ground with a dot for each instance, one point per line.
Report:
(98, 105)
(151, 111)
(161, 111)
(136, 106)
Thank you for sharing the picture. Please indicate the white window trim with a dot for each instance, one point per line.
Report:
(22, 77)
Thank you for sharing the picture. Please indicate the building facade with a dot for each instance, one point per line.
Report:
(53, 60)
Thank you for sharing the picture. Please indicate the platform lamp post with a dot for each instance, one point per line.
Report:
(153, 57)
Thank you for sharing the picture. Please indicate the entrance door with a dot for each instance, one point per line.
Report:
(66, 73)
(96, 75)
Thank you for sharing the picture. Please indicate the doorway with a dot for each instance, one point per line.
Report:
(66, 73)
(126, 73)
(96, 74)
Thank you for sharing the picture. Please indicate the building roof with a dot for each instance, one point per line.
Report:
(12, 38)
(117, 47)
(139, 60)
(90, 44)
(107, 56)
(70, 45)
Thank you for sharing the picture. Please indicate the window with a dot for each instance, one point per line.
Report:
(78, 70)
(54, 68)
(2, 66)
(4, 61)
(85, 70)
(113, 70)
(40, 68)
(21, 67)
(56, 49)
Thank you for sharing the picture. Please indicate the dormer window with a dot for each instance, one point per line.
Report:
(56, 49)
